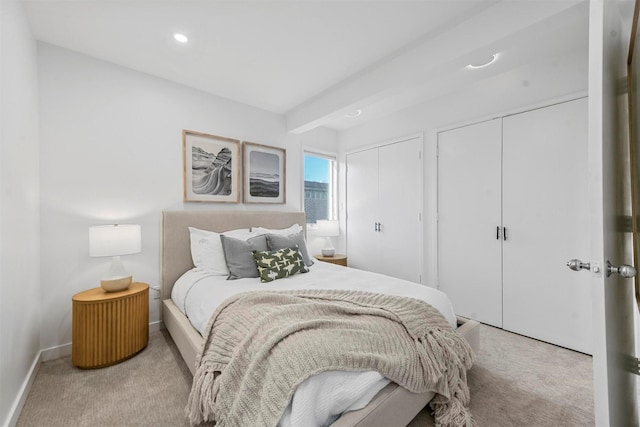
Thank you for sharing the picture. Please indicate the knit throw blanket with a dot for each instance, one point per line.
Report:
(261, 345)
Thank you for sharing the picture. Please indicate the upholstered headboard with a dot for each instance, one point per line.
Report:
(175, 249)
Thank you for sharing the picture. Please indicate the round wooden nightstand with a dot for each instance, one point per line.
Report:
(109, 327)
(338, 259)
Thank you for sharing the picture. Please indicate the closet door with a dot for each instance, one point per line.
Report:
(362, 208)
(469, 220)
(400, 208)
(384, 208)
(545, 212)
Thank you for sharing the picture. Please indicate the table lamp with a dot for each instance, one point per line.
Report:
(328, 229)
(114, 240)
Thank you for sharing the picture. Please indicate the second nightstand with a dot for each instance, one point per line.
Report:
(338, 259)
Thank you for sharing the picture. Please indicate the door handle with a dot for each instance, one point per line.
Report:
(577, 265)
(624, 270)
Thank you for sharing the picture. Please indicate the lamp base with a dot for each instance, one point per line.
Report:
(116, 285)
(328, 252)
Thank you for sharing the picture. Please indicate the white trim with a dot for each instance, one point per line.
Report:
(155, 326)
(385, 142)
(21, 398)
(334, 183)
(56, 352)
(45, 355)
(319, 153)
(53, 353)
(513, 111)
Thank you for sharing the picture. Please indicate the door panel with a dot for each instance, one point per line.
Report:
(469, 212)
(614, 385)
(400, 184)
(362, 205)
(544, 201)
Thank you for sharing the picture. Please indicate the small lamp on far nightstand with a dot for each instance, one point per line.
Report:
(115, 240)
(328, 229)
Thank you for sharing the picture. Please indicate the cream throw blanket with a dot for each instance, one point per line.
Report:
(261, 345)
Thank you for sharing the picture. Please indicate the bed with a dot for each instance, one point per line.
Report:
(392, 406)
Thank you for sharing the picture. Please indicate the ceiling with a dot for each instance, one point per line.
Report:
(315, 62)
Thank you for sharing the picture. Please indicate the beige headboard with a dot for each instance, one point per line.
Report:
(176, 246)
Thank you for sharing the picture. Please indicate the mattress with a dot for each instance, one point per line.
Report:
(197, 293)
(322, 398)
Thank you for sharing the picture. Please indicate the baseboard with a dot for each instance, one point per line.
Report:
(155, 326)
(53, 353)
(45, 355)
(18, 404)
(64, 350)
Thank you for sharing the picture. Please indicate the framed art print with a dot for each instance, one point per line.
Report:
(264, 173)
(211, 168)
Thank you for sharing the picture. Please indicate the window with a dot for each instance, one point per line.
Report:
(320, 195)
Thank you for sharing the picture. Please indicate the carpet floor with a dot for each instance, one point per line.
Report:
(516, 381)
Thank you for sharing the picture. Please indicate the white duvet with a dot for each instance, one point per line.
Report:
(198, 293)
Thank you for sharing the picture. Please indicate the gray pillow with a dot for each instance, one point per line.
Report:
(277, 241)
(239, 255)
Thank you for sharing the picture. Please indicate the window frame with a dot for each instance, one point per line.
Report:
(333, 182)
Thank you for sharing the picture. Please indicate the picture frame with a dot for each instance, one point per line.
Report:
(210, 168)
(265, 173)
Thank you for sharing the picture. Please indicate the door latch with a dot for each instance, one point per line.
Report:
(577, 265)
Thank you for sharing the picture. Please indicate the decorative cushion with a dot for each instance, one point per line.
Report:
(276, 241)
(277, 264)
(239, 255)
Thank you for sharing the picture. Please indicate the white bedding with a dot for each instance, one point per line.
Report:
(197, 294)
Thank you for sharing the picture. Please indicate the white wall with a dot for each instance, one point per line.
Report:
(111, 151)
(19, 203)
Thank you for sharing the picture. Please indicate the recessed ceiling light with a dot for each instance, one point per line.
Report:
(485, 62)
(353, 115)
(180, 37)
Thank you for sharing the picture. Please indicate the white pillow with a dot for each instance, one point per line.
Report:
(206, 249)
(294, 229)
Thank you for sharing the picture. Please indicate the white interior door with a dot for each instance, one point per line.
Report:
(362, 206)
(544, 201)
(400, 209)
(613, 303)
(469, 220)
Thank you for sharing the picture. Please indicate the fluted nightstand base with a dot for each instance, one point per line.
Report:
(109, 327)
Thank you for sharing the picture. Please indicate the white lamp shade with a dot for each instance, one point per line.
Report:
(328, 228)
(115, 239)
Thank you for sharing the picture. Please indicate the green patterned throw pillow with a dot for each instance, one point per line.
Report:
(274, 265)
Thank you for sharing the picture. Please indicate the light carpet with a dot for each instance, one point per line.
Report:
(516, 381)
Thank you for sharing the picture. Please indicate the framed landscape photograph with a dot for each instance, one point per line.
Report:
(264, 173)
(210, 168)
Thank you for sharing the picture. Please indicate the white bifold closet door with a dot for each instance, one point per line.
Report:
(384, 209)
(545, 212)
(469, 220)
(512, 210)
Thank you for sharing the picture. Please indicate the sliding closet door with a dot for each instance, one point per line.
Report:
(362, 209)
(545, 212)
(400, 208)
(469, 220)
